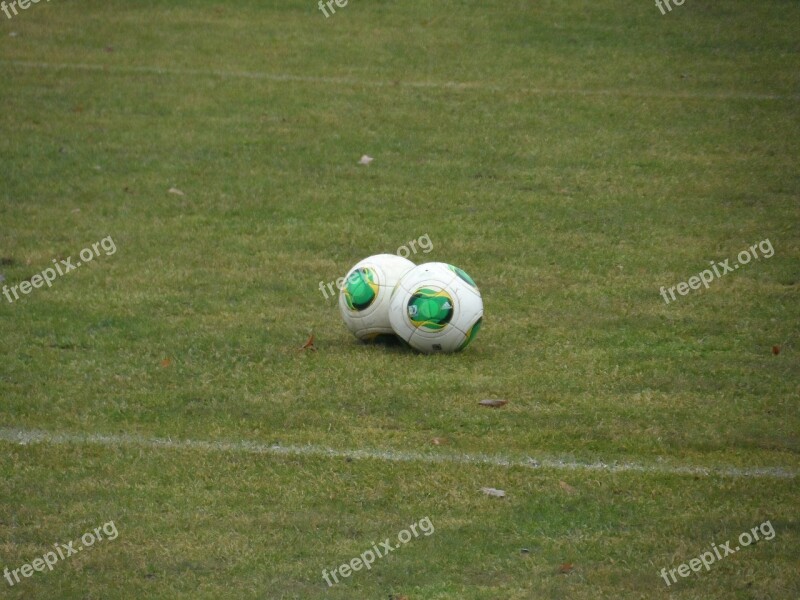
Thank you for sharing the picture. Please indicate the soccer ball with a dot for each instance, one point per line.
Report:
(436, 307)
(365, 292)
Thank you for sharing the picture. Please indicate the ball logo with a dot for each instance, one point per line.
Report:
(430, 309)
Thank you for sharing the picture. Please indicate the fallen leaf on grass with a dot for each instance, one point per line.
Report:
(493, 492)
(309, 345)
(493, 403)
(566, 568)
(566, 487)
(437, 441)
(166, 363)
(174, 190)
(776, 350)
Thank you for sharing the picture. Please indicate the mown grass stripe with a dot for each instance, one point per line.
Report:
(349, 81)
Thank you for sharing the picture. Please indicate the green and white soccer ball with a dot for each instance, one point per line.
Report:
(366, 291)
(436, 307)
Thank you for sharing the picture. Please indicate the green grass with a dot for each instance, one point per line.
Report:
(572, 156)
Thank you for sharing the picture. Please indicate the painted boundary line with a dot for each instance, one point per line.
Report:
(354, 82)
(37, 436)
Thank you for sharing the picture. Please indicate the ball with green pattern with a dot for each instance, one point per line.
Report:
(436, 307)
(365, 293)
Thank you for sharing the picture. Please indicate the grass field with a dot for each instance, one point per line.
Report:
(574, 157)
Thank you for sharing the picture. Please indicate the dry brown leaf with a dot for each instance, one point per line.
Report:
(566, 568)
(493, 403)
(566, 487)
(166, 362)
(309, 345)
(437, 441)
(776, 350)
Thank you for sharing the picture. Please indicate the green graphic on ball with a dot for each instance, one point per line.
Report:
(430, 309)
(361, 289)
(473, 331)
(463, 274)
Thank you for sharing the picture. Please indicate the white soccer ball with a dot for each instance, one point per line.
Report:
(436, 307)
(365, 293)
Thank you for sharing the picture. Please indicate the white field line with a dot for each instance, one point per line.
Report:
(355, 82)
(34, 436)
